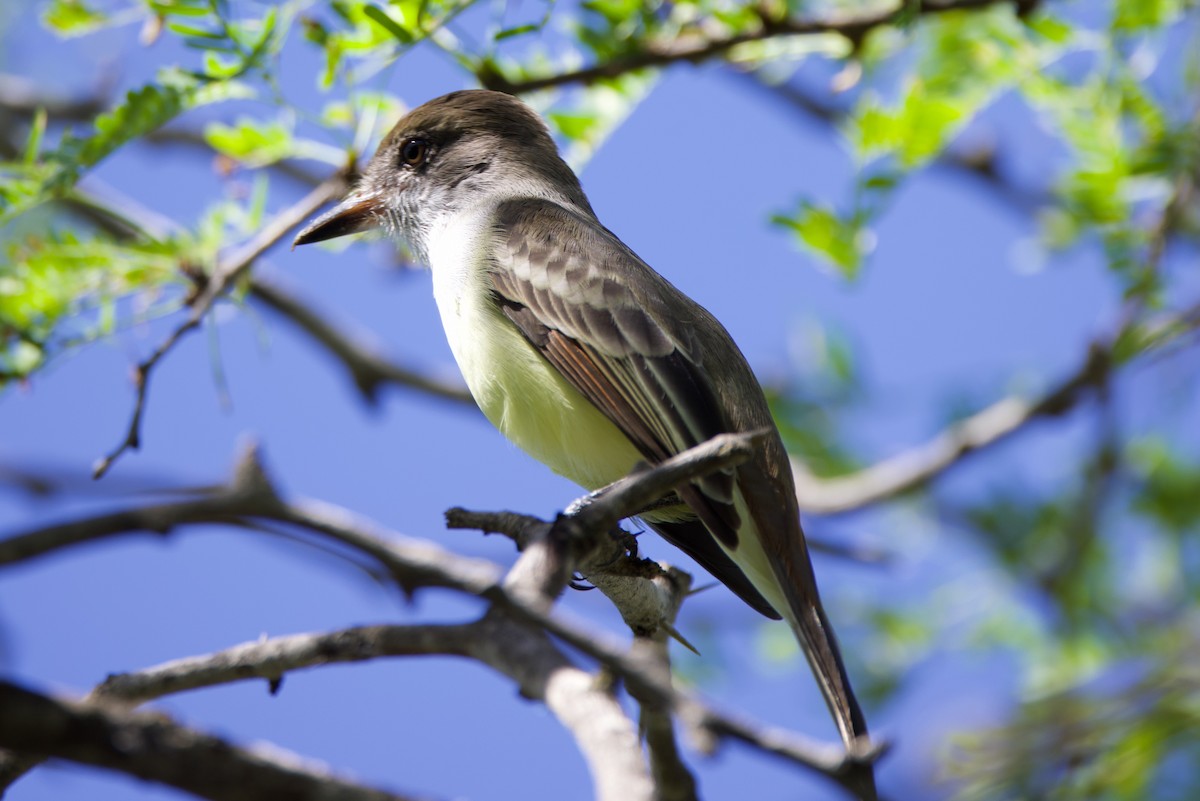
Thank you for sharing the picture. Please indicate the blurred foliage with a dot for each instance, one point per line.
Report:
(1130, 742)
(1098, 571)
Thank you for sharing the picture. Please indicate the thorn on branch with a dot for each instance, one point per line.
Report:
(250, 478)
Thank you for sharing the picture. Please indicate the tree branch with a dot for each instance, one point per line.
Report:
(228, 270)
(416, 564)
(646, 593)
(19, 94)
(700, 47)
(917, 466)
(911, 469)
(586, 707)
(523, 654)
(672, 777)
(151, 747)
(250, 495)
(271, 659)
(368, 370)
(705, 725)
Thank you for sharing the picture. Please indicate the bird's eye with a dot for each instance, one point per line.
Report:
(414, 152)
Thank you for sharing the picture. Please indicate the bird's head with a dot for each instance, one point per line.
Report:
(455, 151)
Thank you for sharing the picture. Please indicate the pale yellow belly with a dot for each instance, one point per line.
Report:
(536, 408)
(526, 398)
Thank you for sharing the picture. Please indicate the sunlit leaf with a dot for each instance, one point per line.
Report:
(838, 241)
(381, 18)
(140, 112)
(73, 17)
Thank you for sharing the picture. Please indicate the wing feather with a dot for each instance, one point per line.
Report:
(558, 277)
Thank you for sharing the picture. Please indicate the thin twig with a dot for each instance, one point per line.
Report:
(228, 271)
(699, 48)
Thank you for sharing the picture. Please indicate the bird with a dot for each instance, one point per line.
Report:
(583, 355)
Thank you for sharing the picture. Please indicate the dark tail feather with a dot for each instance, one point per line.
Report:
(820, 646)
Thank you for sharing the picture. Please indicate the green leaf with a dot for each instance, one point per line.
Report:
(842, 243)
(380, 17)
(142, 111)
(1131, 16)
(72, 18)
(574, 125)
(23, 358)
(57, 290)
(410, 12)
(222, 67)
(1169, 485)
(509, 33)
(916, 131)
(346, 113)
(182, 8)
(193, 32)
(1050, 28)
(252, 141)
(614, 10)
(33, 143)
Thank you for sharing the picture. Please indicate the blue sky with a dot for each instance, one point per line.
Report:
(689, 182)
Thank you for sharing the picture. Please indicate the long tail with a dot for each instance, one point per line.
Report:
(779, 568)
(820, 647)
(819, 644)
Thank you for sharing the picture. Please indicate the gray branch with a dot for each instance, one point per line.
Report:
(519, 604)
(272, 659)
(917, 466)
(600, 727)
(152, 747)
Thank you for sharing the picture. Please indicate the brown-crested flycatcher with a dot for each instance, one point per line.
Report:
(584, 356)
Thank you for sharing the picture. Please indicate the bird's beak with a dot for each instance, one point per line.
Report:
(356, 213)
